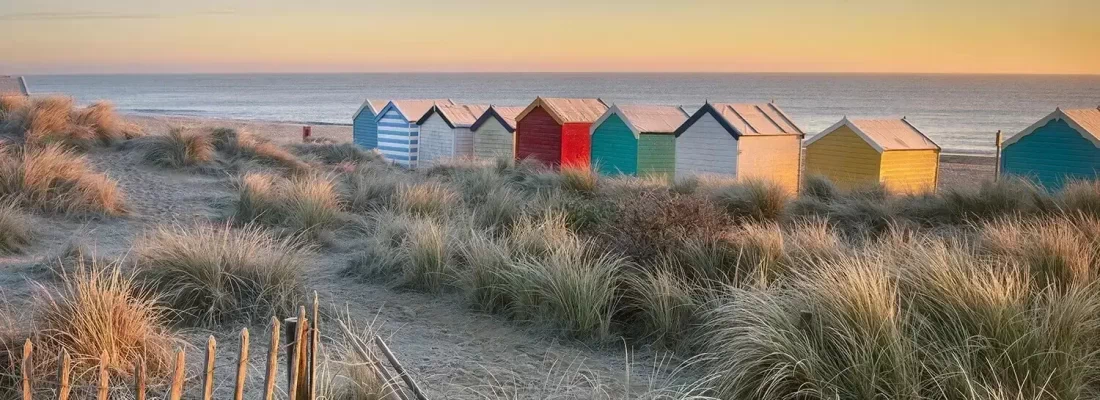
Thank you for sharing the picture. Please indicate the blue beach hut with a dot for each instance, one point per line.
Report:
(1060, 148)
(364, 130)
(398, 130)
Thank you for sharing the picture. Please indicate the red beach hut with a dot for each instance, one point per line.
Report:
(555, 131)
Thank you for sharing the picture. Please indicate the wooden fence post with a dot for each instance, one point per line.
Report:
(139, 380)
(176, 390)
(997, 167)
(63, 371)
(296, 357)
(314, 343)
(26, 366)
(400, 370)
(208, 375)
(104, 376)
(242, 366)
(272, 360)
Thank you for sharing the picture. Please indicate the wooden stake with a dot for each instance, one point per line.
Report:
(104, 377)
(272, 361)
(63, 371)
(997, 168)
(176, 390)
(400, 370)
(208, 376)
(314, 341)
(26, 366)
(139, 383)
(296, 361)
(242, 366)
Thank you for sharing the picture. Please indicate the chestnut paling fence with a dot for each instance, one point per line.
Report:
(302, 336)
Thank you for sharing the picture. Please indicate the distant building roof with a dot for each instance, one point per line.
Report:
(884, 134)
(646, 118)
(414, 109)
(373, 105)
(1084, 120)
(746, 119)
(456, 115)
(566, 111)
(505, 115)
(13, 85)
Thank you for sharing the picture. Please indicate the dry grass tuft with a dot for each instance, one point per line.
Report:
(430, 199)
(212, 274)
(753, 200)
(303, 204)
(55, 120)
(54, 179)
(16, 231)
(334, 154)
(241, 145)
(179, 148)
(97, 310)
(579, 179)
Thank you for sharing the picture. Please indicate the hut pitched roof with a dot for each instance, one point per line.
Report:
(506, 116)
(1084, 120)
(373, 105)
(884, 134)
(13, 85)
(456, 115)
(764, 119)
(566, 111)
(646, 118)
(414, 109)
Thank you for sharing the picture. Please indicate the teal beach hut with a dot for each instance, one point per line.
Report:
(1062, 147)
(637, 140)
(364, 129)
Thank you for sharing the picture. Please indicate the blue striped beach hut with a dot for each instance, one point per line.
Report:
(364, 128)
(1061, 147)
(398, 131)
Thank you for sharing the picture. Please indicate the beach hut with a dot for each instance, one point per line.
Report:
(637, 140)
(740, 141)
(364, 129)
(555, 131)
(398, 131)
(494, 132)
(1061, 147)
(12, 85)
(445, 132)
(861, 152)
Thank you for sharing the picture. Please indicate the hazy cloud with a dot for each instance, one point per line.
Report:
(46, 16)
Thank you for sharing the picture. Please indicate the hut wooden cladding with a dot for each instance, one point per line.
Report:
(13, 85)
(637, 140)
(1062, 147)
(555, 131)
(861, 152)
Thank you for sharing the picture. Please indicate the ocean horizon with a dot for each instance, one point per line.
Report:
(960, 112)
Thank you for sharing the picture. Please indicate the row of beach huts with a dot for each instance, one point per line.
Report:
(731, 140)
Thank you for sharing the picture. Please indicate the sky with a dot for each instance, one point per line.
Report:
(883, 36)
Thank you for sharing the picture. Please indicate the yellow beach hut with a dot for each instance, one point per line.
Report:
(860, 152)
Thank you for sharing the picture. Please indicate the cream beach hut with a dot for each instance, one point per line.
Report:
(445, 132)
(495, 132)
(740, 141)
(13, 85)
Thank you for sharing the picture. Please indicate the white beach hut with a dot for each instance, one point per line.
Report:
(445, 132)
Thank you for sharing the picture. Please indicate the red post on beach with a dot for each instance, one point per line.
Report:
(306, 132)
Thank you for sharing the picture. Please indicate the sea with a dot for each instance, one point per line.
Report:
(960, 112)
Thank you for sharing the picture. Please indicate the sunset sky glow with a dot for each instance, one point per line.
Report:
(932, 36)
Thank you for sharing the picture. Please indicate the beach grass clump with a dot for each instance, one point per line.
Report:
(1080, 196)
(483, 280)
(334, 154)
(211, 274)
(426, 199)
(1056, 251)
(500, 209)
(820, 188)
(1001, 198)
(369, 189)
(55, 120)
(429, 253)
(571, 288)
(244, 146)
(665, 305)
(55, 179)
(179, 148)
(16, 228)
(96, 310)
(751, 199)
(579, 179)
(344, 373)
(302, 204)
